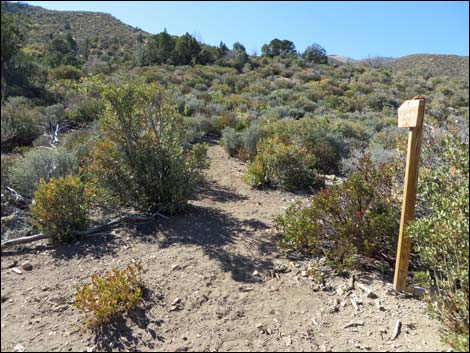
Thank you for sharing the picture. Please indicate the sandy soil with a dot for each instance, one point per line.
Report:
(234, 290)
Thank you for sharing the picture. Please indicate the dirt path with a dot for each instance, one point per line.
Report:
(220, 264)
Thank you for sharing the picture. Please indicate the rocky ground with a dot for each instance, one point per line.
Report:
(215, 282)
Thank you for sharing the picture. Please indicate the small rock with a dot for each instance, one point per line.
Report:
(176, 301)
(304, 273)
(16, 270)
(397, 330)
(255, 273)
(19, 348)
(418, 291)
(175, 267)
(379, 305)
(27, 266)
(354, 324)
(245, 289)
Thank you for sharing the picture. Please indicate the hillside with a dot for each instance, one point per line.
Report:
(430, 64)
(107, 35)
(111, 38)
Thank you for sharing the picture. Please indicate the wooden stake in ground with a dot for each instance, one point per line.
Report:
(410, 115)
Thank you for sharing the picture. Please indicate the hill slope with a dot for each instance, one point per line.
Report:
(106, 34)
(436, 65)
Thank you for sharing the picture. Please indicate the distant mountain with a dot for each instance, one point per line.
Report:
(421, 64)
(339, 59)
(447, 65)
(107, 35)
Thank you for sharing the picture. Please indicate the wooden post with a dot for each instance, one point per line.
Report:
(410, 115)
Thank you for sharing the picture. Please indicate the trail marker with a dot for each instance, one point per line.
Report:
(410, 115)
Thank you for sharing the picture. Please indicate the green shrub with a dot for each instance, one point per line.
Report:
(110, 296)
(441, 234)
(61, 207)
(197, 128)
(66, 72)
(314, 137)
(231, 140)
(199, 156)
(85, 110)
(356, 218)
(278, 164)
(53, 115)
(7, 200)
(41, 163)
(20, 123)
(139, 157)
(250, 137)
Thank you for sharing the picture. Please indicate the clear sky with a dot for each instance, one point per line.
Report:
(354, 29)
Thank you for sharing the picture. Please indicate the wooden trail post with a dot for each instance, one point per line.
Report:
(410, 115)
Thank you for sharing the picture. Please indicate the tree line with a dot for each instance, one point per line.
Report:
(164, 48)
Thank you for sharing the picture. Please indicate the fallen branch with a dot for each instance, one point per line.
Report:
(23, 240)
(18, 197)
(91, 231)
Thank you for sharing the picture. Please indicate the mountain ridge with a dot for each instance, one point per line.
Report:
(109, 36)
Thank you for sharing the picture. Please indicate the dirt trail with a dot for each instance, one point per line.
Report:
(234, 291)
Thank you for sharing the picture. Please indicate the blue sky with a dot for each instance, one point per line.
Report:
(355, 29)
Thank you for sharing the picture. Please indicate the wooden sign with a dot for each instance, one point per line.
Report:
(410, 115)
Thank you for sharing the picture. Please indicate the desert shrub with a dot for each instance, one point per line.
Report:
(193, 105)
(7, 200)
(85, 110)
(231, 140)
(227, 120)
(110, 296)
(140, 158)
(350, 129)
(278, 164)
(441, 234)
(377, 154)
(199, 156)
(358, 217)
(41, 163)
(53, 115)
(250, 137)
(313, 135)
(20, 123)
(66, 72)
(197, 127)
(61, 207)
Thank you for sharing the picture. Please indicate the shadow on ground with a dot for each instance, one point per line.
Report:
(95, 246)
(236, 244)
(125, 334)
(217, 193)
